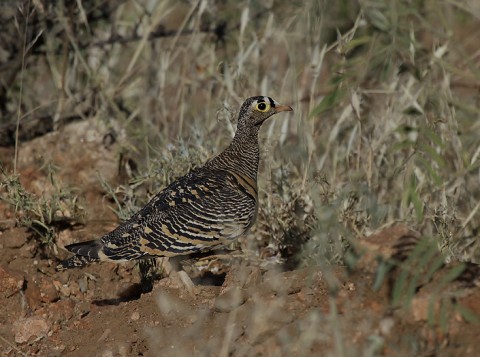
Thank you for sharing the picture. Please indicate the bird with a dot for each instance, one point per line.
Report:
(207, 208)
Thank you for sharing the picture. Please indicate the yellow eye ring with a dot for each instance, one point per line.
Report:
(262, 107)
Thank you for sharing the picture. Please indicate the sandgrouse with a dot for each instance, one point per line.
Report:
(208, 207)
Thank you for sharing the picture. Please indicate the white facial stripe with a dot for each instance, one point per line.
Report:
(270, 101)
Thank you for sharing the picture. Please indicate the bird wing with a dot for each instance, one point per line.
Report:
(200, 210)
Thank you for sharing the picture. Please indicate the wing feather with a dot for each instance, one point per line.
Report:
(192, 214)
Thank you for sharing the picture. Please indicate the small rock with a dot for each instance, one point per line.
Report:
(230, 299)
(74, 288)
(135, 316)
(63, 277)
(11, 281)
(57, 284)
(30, 329)
(82, 283)
(83, 308)
(65, 290)
(14, 238)
(350, 286)
(27, 250)
(59, 311)
(48, 291)
(60, 348)
(386, 326)
(33, 295)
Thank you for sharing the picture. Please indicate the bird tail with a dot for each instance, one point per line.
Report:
(77, 261)
(85, 253)
(89, 248)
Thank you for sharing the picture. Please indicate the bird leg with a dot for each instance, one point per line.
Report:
(155, 268)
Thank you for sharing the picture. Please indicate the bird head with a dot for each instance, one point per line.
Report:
(255, 110)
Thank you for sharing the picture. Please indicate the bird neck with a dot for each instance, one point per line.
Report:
(242, 155)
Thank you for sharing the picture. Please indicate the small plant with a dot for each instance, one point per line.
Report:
(285, 219)
(45, 215)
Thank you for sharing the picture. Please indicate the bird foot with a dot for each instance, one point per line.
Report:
(175, 278)
(179, 280)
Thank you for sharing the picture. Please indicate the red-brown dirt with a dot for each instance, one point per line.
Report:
(255, 311)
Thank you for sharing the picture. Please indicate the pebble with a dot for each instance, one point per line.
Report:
(30, 329)
(59, 311)
(48, 290)
(11, 281)
(14, 238)
(28, 250)
(82, 283)
(33, 295)
(386, 326)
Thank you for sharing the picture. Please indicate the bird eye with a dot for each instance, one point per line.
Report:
(262, 107)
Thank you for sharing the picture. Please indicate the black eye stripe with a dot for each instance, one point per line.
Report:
(261, 100)
(272, 103)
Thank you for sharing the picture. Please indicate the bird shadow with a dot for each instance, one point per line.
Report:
(149, 276)
(136, 290)
(131, 293)
(210, 279)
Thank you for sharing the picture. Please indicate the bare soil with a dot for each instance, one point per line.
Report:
(251, 311)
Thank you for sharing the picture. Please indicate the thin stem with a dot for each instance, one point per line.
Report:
(17, 129)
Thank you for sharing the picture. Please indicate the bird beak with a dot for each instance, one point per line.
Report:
(283, 108)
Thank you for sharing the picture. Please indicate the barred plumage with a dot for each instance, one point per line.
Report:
(208, 207)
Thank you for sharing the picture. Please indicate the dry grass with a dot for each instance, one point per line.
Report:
(386, 100)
